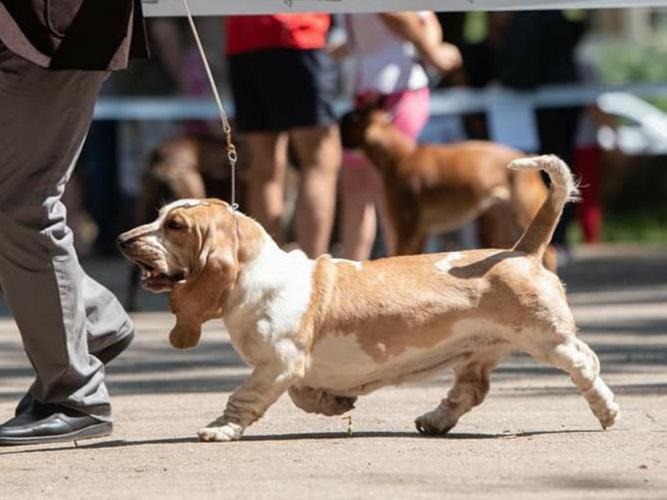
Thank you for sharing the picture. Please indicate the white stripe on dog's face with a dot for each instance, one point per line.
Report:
(152, 229)
(184, 203)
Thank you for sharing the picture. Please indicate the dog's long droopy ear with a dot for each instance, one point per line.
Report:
(201, 297)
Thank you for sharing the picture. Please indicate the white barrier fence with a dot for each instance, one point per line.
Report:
(227, 7)
(644, 130)
(443, 102)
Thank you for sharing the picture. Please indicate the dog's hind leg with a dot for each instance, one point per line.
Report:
(577, 359)
(471, 385)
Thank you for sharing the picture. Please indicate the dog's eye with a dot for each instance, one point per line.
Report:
(175, 225)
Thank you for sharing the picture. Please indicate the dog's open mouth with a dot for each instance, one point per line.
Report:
(156, 280)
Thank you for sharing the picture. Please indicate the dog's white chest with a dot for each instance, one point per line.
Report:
(272, 298)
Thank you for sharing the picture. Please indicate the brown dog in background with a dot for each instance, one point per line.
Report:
(183, 167)
(438, 188)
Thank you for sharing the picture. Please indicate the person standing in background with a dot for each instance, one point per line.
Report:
(388, 50)
(538, 48)
(54, 58)
(284, 84)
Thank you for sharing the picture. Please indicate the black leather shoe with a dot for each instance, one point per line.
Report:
(51, 424)
(106, 356)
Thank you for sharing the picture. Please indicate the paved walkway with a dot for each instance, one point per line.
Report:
(533, 437)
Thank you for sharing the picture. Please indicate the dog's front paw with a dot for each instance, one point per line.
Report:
(434, 422)
(227, 432)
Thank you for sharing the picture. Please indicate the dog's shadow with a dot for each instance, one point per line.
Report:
(306, 436)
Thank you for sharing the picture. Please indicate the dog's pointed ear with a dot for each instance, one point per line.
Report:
(202, 297)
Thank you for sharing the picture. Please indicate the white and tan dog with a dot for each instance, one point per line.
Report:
(329, 330)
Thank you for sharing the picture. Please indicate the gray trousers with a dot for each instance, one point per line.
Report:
(63, 315)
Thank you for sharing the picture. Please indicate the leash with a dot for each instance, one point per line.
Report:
(232, 156)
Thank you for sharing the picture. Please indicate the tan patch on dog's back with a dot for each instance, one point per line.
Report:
(392, 305)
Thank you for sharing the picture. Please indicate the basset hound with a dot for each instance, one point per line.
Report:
(328, 330)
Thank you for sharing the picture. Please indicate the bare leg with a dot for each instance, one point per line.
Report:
(471, 386)
(268, 163)
(319, 153)
(359, 224)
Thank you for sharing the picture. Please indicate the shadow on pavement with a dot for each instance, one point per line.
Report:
(306, 436)
(590, 483)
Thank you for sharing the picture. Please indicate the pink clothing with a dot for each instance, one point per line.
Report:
(409, 110)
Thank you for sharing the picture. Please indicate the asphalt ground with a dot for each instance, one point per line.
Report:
(533, 437)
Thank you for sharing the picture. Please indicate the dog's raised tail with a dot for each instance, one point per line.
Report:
(563, 189)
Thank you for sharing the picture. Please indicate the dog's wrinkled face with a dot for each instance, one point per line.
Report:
(167, 249)
(190, 250)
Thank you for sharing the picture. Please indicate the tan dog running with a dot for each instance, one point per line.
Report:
(438, 188)
(329, 330)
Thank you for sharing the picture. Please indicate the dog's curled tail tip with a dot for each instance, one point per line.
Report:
(563, 181)
(563, 189)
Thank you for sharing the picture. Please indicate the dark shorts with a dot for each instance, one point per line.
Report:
(280, 89)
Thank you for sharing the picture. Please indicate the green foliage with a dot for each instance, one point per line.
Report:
(645, 227)
(475, 27)
(622, 62)
(630, 63)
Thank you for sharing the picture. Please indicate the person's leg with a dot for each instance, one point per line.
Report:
(359, 185)
(266, 179)
(297, 98)
(109, 330)
(319, 153)
(108, 327)
(587, 162)
(44, 118)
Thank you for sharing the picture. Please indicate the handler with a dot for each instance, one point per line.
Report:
(54, 57)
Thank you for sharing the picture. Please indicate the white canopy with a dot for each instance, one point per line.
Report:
(224, 7)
